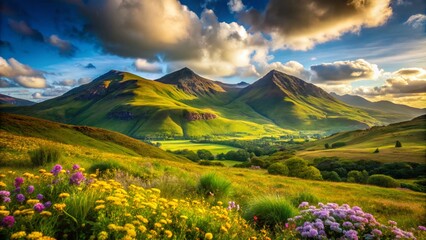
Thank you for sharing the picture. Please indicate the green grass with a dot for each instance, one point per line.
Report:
(174, 145)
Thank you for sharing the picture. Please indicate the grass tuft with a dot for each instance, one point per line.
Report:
(213, 185)
(44, 155)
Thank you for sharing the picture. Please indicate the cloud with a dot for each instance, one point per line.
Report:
(235, 5)
(24, 30)
(84, 80)
(292, 68)
(21, 74)
(4, 83)
(402, 82)
(67, 82)
(345, 71)
(144, 66)
(300, 25)
(65, 48)
(49, 93)
(90, 66)
(416, 21)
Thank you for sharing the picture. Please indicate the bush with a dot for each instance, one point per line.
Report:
(338, 144)
(383, 181)
(331, 176)
(278, 169)
(398, 144)
(269, 212)
(304, 197)
(240, 155)
(255, 161)
(43, 155)
(355, 176)
(376, 151)
(326, 146)
(213, 185)
(211, 163)
(189, 154)
(205, 154)
(298, 167)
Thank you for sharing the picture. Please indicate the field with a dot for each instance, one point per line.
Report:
(174, 145)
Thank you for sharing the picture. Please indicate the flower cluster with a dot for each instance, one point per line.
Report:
(233, 205)
(331, 221)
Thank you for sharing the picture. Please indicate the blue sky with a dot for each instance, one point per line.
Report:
(375, 49)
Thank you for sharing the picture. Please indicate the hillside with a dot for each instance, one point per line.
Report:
(385, 111)
(293, 103)
(8, 100)
(360, 144)
(184, 104)
(12, 125)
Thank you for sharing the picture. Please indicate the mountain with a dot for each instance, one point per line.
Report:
(386, 111)
(293, 103)
(184, 104)
(8, 100)
(191, 83)
(18, 126)
(360, 144)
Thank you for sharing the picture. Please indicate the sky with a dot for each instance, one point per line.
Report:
(374, 49)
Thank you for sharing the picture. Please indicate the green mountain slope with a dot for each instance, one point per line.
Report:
(385, 111)
(360, 144)
(97, 138)
(293, 103)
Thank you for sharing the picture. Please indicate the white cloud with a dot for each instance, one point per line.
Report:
(145, 66)
(235, 5)
(416, 21)
(65, 47)
(21, 74)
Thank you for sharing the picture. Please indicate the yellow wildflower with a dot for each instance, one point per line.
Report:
(158, 225)
(46, 214)
(35, 235)
(59, 206)
(183, 217)
(42, 170)
(156, 190)
(163, 221)
(18, 235)
(32, 201)
(164, 214)
(4, 213)
(99, 207)
(100, 201)
(153, 232)
(64, 195)
(208, 236)
(2, 207)
(223, 229)
(142, 228)
(168, 233)
(219, 203)
(16, 213)
(142, 219)
(2, 175)
(103, 235)
(2, 184)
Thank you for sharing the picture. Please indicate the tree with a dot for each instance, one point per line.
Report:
(298, 167)
(376, 151)
(331, 176)
(398, 144)
(278, 169)
(326, 146)
(357, 176)
(205, 154)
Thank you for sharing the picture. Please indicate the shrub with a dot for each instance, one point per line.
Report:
(205, 154)
(211, 163)
(255, 161)
(398, 144)
(310, 172)
(104, 166)
(383, 181)
(338, 144)
(376, 151)
(304, 197)
(298, 167)
(43, 155)
(355, 176)
(269, 211)
(331, 176)
(278, 169)
(213, 185)
(326, 146)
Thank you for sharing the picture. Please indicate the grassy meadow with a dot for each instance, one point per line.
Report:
(174, 145)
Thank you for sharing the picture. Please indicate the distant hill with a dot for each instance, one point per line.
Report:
(293, 103)
(386, 111)
(8, 100)
(360, 144)
(91, 137)
(184, 104)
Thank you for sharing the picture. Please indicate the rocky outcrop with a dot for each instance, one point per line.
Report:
(192, 116)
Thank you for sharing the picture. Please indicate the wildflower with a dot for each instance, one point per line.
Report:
(223, 229)
(38, 207)
(56, 169)
(103, 235)
(376, 232)
(4, 193)
(40, 196)
(18, 182)
(158, 225)
(48, 204)
(142, 228)
(77, 178)
(8, 221)
(4, 212)
(392, 223)
(30, 189)
(32, 201)
(99, 207)
(351, 234)
(422, 228)
(6, 199)
(183, 217)
(20, 197)
(163, 221)
(42, 170)
(18, 235)
(75, 167)
(64, 195)
(59, 206)
(35, 235)
(168, 233)
(46, 214)
(304, 205)
(2, 184)
(208, 236)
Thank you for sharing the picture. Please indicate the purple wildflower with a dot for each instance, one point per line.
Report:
(4, 193)
(6, 199)
(75, 167)
(376, 232)
(393, 223)
(8, 221)
(351, 234)
(39, 207)
(347, 225)
(30, 189)
(40, 196)
(20, 197)
(422, 228)
(18, 190)
(56, 169)
(304, 205)
(18, 182)
(48, 204)
(77, 178)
